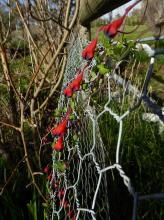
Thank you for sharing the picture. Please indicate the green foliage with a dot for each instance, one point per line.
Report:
(22, 65)
(142, 143)
(19, 44)
(32, 208)
(60, 166)
(141, 156)
(4, 93)
(57, 113)
(2, 161)
(102, 69)
(18, 47)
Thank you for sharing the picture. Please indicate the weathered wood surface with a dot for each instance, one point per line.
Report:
(92, 9)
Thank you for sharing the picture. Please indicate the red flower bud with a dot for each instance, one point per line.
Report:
(88, 52)
(71, 214)
(65, 204)
(60, 129)
(61, 193)
(68, 91)
(46, 169)
(59, 144)
(111, 29)
(49, 177)
(75, 84)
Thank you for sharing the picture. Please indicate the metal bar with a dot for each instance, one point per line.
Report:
(156, 196)
(158, 52)
(147, 79)
(135, 204)
(150, 39)
(154, 107)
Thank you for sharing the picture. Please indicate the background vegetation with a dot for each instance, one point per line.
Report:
(33, 40)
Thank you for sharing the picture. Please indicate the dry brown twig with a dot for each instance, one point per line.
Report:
(44, 63)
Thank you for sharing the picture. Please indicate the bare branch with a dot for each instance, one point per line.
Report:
(67, 12)
(58, 51)
(26, 154)
(10, 125)
(54, 88)
(36, 72)
(7, 71)
(47, 19)
(9, 26)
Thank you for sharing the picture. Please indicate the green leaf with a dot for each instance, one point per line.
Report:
(102, 69)
(72, 117)
(32, 208)
(72, 104)
(45, 205)
(57, 113)
(60, 166)
(84, 86)
(75, 137)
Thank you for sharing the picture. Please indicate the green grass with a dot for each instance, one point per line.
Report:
(141, 32)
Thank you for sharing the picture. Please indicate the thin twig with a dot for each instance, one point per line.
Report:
(10, 125)
(54, 88)
(26, 154)
(58, 50)
(37, 71)
(45, 19)
(6, 71)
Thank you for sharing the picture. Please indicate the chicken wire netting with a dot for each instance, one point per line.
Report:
(83, 175)
(84, 153)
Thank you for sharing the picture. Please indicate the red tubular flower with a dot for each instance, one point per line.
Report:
(68, 92)
(46, 169)
(49, 176)
(70, 212)
(54, 186)
(88, 52)
(59, 146)
(75, 84)
(60, 129)
(61, 193)
(65, 204)
(131, 6)
(111, 29)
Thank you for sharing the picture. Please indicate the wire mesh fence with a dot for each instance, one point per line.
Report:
(87, 173)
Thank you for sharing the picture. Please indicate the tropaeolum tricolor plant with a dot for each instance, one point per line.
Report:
(59, 131)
